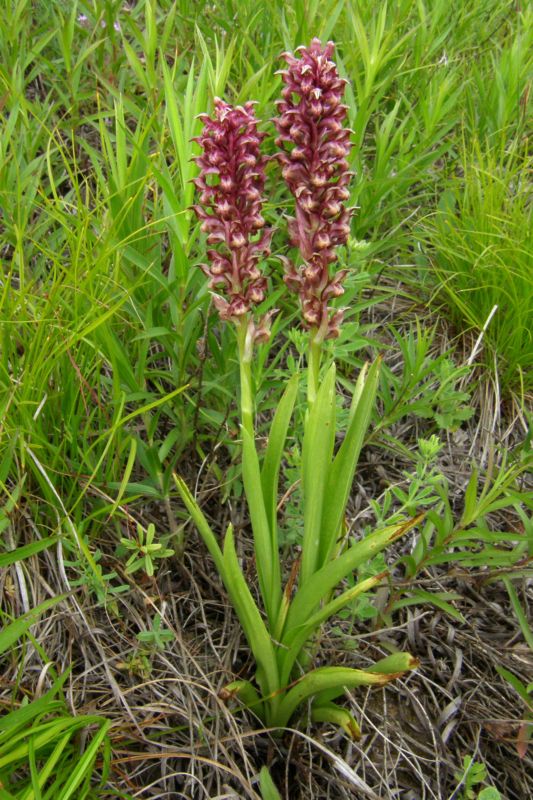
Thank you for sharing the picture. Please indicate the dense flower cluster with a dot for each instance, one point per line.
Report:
(230, 185)
(314, 148)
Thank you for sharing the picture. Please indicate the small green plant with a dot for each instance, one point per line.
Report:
(422, 485)
(145, 550)
(473, 773)
(427, 386)
(157, 637)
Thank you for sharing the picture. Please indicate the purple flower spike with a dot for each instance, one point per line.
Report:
(314, 149)
(230, 184)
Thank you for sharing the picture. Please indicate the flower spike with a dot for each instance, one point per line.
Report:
(230, 186)
(314, 147)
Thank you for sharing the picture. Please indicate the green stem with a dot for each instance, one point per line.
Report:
(245, 366)
(313, 368)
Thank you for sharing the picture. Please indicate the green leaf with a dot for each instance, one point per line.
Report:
(275, 448)
(317, 451)
(83, 766)
(329, 576)
(16, 629)
(26, 551)
(267, 786)
(245, 692)
(489, 793)
(21, 717)
(329, 712)
(420, 596)
(391, 667)
(295, 639)
(324, 679)
(202, 525)
(265, 540)
(518, 686)
(252, 623)
(342, 472)
(521, 615)
(470, 507)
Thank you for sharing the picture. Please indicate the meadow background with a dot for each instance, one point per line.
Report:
(114, 372)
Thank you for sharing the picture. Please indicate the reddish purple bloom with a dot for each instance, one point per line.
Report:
(231, 183)
(314, 149)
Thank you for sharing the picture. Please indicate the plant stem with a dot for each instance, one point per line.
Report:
(245, 366)
(313, 368)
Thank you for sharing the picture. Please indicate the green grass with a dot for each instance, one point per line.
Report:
(480, 246)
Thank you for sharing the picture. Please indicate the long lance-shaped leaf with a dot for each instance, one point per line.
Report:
(390, 668)
(342, 472)
(319, 438)
(202, 525)
(275, 449)
(252, 623)
(325, 679)
(295, 640)
(357, 392)
(326, 579)
(329, 712)
(265, 544)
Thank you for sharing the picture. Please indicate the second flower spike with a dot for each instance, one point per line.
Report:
(314, 146)
(230, 185)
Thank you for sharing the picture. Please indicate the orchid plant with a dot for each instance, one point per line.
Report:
(282, 628)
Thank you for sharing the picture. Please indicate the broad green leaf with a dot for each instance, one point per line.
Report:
(328, 577)
(252, 623)
(317, 451)
(295, 639)
(342, 472)
(275, 448)
(265, 543)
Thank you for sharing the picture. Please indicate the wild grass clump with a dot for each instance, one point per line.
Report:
(480, 246)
